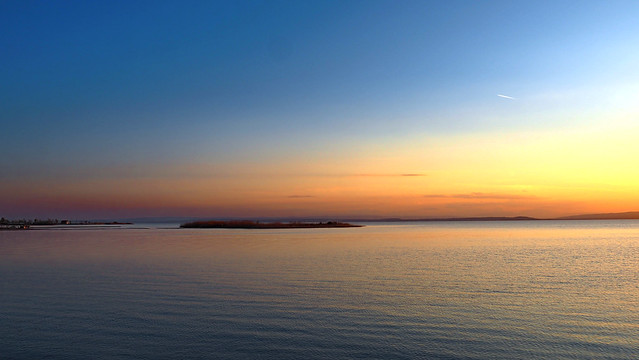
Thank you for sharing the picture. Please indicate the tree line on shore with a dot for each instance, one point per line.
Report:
(35, 221)
(249, 224)
(4, 221)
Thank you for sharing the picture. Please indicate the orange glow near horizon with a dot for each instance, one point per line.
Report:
(540, 174)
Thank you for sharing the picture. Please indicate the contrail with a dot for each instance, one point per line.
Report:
(506, 97)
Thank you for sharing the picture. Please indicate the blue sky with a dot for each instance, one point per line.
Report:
(120, 83)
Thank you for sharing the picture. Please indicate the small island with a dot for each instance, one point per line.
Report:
(249, 224)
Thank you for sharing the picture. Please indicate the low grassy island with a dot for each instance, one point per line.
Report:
(248, 224)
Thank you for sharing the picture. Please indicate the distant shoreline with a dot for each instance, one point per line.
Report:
(247, 224)
(611, 216)
(487, 218)
(296, 223)
(30, 225)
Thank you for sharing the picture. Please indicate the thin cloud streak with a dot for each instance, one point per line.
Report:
(383, 175)
(354, 175)
(300, 196)
(479, 195)
(506, 97)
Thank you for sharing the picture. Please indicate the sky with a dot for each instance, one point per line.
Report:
(116, 109)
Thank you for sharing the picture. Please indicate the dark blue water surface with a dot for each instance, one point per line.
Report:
(498, 290)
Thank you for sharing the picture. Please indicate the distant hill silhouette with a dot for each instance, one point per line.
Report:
(477, 218)
(605, 216)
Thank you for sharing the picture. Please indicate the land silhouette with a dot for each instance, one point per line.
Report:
(630, 215)
(23, 224)
(248, 224)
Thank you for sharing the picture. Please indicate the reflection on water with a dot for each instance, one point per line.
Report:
(411, 290)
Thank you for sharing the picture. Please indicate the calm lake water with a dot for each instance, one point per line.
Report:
(458, 290)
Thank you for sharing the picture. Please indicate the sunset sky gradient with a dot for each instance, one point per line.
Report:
(120, 109)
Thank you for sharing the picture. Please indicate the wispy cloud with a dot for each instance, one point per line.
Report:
(506, 97)
(479, 195)
(300, 196)
(384, 175)
(353, 175)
